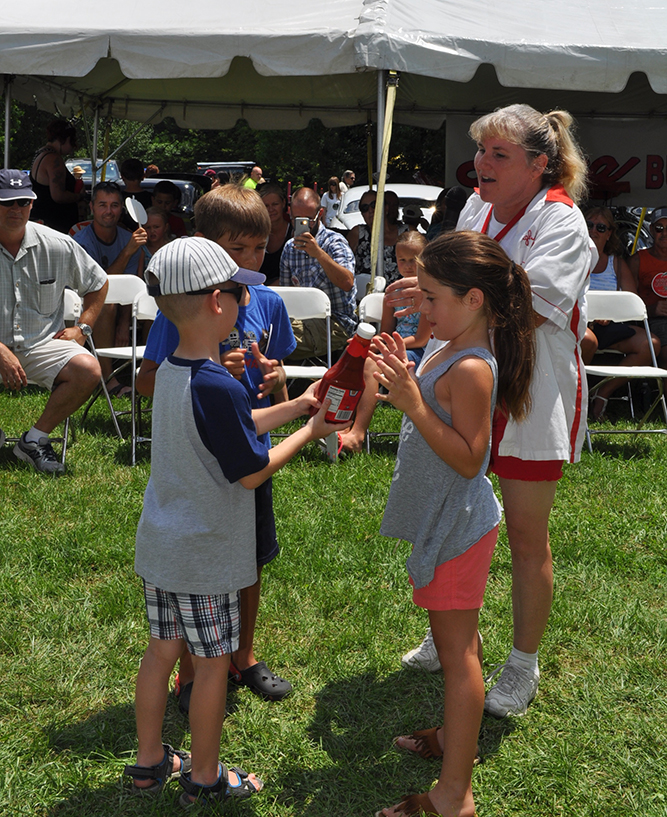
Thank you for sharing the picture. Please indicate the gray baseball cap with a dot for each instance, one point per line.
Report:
(193, 264)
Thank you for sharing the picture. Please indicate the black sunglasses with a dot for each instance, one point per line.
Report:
(601, 228)
(17, 202)
(364, 208)
(657, 227)
(237, 291)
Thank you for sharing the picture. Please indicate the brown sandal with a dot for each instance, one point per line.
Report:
(428, 745)
(416, 804)
(427, 742)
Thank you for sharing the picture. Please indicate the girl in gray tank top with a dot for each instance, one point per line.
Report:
(440, 499)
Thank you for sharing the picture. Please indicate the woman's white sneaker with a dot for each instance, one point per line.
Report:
(424, 657)
(514, 692)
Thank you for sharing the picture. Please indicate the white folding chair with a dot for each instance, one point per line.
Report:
(370, 308)
(72, 312)
(304, 303)
(123, 289)
(621, 307)
(363, 279)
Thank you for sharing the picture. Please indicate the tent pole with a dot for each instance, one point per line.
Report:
(382, 79)
(378, 268)
(377, 233)
(8, 116)
(93, 158)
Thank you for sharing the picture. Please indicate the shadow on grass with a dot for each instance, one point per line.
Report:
(354, 724)
(112, 734)
(632, 448)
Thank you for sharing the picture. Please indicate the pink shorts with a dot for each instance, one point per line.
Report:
(460, 583)
(515, 468)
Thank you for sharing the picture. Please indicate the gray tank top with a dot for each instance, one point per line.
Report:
(439, 511)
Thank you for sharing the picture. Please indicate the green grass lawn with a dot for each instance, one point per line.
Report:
(335, 618)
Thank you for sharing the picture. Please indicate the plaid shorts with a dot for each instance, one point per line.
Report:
(209, 625)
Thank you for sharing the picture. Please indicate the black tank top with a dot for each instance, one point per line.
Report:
(58, 216)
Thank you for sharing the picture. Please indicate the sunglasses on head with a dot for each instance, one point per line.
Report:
(237, 291)
(17, 202)
(364, 208)
(107, 186)
(658, 227)
(601, 228)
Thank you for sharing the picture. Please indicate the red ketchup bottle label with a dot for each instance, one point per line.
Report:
(343, 383)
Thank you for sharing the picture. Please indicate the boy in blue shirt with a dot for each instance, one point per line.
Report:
(195, 546)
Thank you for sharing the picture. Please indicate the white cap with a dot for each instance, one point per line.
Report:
(366, 331)
(194, 264)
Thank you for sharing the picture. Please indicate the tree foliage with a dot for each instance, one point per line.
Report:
(305, 156)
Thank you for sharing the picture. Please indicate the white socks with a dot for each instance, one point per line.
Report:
(34, 435)
(526, 660)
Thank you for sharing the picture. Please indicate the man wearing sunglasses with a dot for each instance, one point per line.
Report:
(117, 251)
(319, 258)
(36, 264)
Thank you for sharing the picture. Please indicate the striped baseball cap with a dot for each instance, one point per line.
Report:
(193, 264)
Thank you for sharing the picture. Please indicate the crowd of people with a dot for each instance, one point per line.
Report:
(482, 347)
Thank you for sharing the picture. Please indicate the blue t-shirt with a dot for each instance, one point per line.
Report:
(264, 320)
(105, 254)
(215, 395)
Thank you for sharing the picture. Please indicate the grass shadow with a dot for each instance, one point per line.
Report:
(354, 724)
(634, 447)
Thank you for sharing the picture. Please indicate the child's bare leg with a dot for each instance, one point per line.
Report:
(151, 700)
(244, 657)
(457, 642)
(456, 639)
(207, 713)
(353, 438)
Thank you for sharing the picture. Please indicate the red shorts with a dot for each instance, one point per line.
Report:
(515, 468)
(459, 584)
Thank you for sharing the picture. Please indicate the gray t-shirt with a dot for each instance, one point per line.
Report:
(197, 530)
(439, 511)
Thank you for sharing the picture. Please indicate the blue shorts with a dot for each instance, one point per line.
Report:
(265, 524)
(415, 355)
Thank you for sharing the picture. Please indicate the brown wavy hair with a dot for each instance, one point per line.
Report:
(466, 260)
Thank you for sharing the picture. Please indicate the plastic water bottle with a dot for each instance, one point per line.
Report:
(343, 383)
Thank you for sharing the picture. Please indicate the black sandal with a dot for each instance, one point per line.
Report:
(220, 790)
(261, 681)
(162, 773)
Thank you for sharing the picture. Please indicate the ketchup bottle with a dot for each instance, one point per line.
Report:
(343, 383)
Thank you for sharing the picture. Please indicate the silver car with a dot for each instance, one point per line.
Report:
(422, 195)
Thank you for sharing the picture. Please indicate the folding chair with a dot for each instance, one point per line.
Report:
(621, 307)
(72, 312)
(304, 303)
(370, 308)
(363, 279)
(123, 289)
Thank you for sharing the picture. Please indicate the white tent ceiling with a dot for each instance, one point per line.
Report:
(279, 65)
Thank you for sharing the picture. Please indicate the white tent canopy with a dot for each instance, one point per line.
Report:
(280, 65)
